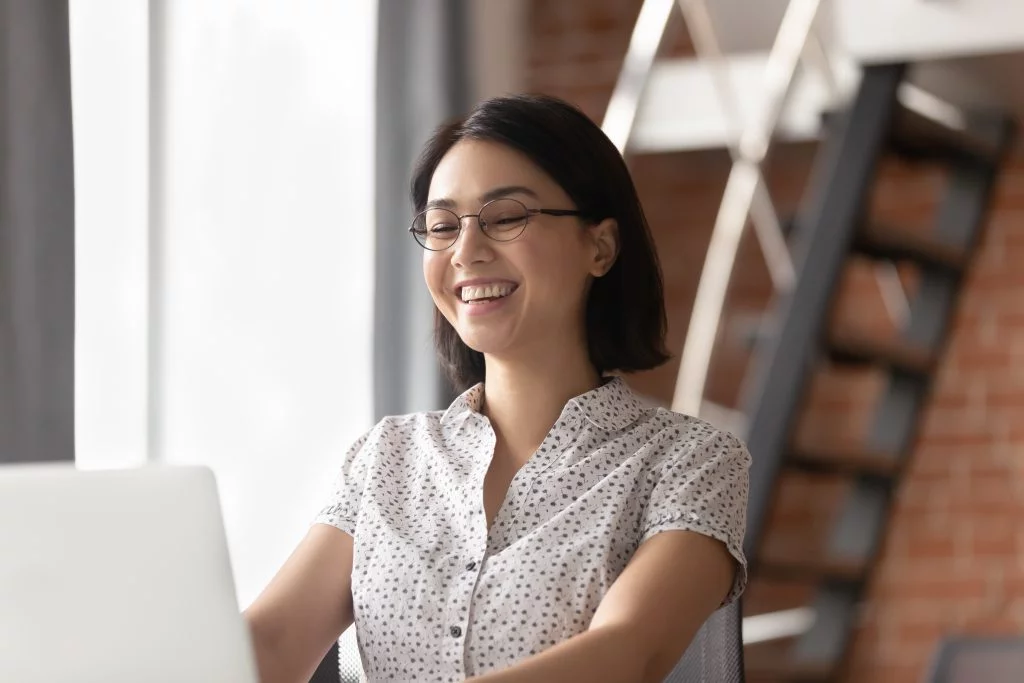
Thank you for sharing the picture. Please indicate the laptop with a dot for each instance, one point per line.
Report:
(117, 576)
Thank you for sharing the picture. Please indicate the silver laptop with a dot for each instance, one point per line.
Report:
(116, 576)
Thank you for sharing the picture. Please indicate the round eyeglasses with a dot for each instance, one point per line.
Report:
(502, 220)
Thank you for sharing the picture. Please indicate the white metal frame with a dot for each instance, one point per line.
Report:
(745, 183)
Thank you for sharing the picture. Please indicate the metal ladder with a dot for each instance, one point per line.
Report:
(831, 227)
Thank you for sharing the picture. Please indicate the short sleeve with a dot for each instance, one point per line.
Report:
(342, 506)
(704, 489)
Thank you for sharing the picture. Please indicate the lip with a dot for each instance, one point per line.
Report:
(475, 309)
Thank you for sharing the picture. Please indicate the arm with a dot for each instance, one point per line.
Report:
(305, 607)
(674, 582)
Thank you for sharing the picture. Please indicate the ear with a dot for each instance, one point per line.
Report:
(604, 237)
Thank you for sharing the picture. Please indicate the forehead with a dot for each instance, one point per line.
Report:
(473, 167)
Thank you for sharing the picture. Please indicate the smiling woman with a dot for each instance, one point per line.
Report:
(555, 162)
(547, 526)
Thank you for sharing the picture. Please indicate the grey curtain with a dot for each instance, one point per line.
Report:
(37, 234)
(422, 80)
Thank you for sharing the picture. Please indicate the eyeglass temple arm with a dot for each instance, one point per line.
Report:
(555, 212)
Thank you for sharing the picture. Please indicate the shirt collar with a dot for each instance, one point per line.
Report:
(468, 401)
(612, 406)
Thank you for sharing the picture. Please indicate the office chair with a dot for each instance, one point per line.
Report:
(716, 653)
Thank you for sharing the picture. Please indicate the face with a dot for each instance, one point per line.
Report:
(521, 296)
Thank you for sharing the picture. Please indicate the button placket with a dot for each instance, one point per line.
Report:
(561, 436)
(467, 568)
(459, 616)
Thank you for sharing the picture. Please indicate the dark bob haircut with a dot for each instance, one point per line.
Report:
(625, 316)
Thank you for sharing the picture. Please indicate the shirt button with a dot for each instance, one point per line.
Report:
(471, 566)
(455, 631)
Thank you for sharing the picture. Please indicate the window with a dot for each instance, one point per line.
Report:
(225, 250)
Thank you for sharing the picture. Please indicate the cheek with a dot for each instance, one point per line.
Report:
(433, 274)
(558, 268)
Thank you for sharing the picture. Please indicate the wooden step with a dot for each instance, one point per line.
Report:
(847, 346)
(844, 459)
(886, 242)
(920, 138)
(818, 569)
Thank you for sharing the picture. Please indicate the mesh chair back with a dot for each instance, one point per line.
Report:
(716, 653)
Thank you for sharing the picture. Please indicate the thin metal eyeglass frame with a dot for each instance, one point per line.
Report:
(483, 224)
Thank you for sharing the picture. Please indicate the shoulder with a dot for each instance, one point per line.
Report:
(410, 422)
(673, 439)
(395, 432)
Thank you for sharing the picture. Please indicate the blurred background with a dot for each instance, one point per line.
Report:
(204, 259)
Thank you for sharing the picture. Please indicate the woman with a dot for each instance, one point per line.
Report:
(547, 526)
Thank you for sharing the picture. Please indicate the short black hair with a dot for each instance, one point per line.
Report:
(625, 316)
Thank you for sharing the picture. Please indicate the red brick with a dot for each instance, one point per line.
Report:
(924, 547)
(994, 542)
(993, 626)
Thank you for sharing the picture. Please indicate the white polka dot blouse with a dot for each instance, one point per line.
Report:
(439, 597)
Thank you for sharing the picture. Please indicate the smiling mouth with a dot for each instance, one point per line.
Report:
(478, 294)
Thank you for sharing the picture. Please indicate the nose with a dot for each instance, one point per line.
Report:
(472, 246)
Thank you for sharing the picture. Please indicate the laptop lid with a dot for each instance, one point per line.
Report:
(116, 576)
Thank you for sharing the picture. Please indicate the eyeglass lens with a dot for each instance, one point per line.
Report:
(501, 219)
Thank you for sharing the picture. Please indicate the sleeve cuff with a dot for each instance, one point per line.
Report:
(338, 518)
(692, 522)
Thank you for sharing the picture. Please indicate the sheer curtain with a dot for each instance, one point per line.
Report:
(226, 249)
(267, 256)
(243, 264)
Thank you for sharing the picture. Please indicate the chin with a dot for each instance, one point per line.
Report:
(487, 341)
(486, 346)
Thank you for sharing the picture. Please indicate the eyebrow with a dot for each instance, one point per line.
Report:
(490, 195)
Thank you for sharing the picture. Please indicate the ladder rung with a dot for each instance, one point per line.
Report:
(900, 245)
(851, 347)
(818, 569)
(919, 137)
(840, 459)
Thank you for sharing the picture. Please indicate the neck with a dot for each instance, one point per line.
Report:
(523, 399)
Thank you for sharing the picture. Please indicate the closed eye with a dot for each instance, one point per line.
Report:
(442, 228)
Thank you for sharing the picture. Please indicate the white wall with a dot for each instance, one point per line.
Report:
(263, 189)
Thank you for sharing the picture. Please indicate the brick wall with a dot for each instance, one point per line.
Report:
(953, 561)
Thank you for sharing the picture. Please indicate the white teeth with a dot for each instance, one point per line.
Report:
(474, 292)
